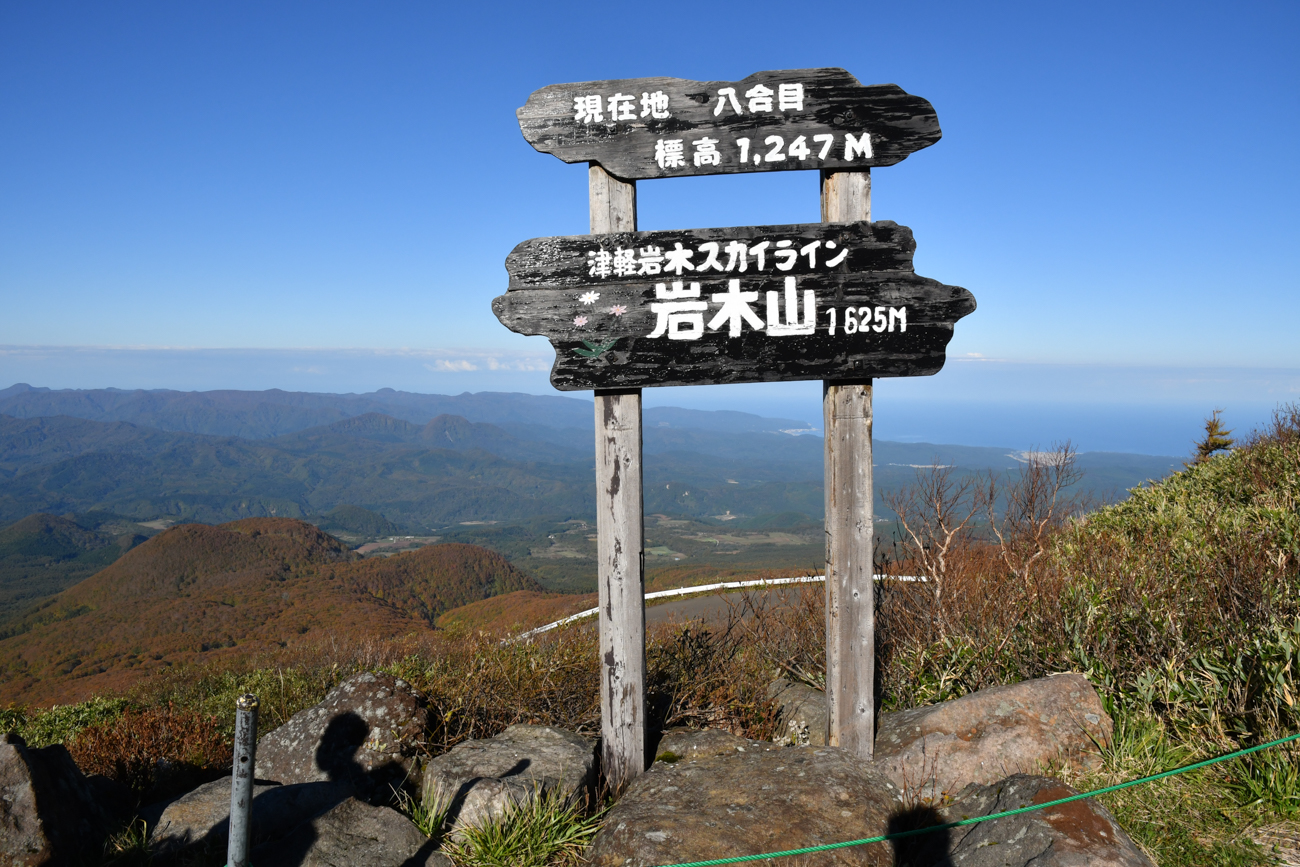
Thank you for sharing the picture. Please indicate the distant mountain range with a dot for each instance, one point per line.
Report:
(217, 456)
(263, 414)
(510, 471)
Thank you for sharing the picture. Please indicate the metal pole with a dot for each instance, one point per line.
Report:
(241, 780)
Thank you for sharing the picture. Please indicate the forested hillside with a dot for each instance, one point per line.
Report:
(43, 554)
(256, 584)
(444, 472)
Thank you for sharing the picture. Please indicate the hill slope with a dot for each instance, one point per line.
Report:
(195, 591)
(43, 554)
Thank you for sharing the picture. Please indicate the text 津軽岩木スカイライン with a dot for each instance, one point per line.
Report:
(746, 304)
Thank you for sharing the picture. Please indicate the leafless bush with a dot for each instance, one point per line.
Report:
(936, 514)
(1034, 506)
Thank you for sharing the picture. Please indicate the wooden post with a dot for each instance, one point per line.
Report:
(850, 589)
(619, 535)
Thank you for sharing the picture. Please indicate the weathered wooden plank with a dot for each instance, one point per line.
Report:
(850, 594)
(778, 120)
(850, 587)
(590, 261)
(787, 307)
(620, 535)
(612, 203)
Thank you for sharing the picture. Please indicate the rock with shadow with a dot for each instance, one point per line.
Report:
(50, 812)
(919, 847)
(803, 713)
(982, 737)
(746, 803)
(481, 778)
(201, 818)
(993, 733)
(367, 730)
(1070, 835)
(353, 834)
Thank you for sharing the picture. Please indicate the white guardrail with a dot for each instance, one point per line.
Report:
(706, 588)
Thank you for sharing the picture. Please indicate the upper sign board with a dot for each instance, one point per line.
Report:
(643, 128)
(829, 301)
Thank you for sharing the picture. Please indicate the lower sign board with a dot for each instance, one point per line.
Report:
(836, 301)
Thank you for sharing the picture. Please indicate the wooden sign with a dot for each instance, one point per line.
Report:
(771, 121)
(755, 304)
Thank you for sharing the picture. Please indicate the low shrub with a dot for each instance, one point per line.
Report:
(156, 751)
(59, 724)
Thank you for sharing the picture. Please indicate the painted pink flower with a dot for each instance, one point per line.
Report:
(580, 321)
(618, 309)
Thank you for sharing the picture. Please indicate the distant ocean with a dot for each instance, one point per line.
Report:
(1119, 427)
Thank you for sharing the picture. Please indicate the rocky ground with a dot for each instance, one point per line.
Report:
(326, 783)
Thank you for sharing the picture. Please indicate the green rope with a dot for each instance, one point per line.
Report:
(901, 834)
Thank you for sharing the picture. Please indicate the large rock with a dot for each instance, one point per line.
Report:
(353, 834)
(1078, 834)
(481, 778)
(993, 733)
(802, 715)
(362, 733)
(50, 812)
(201, 818)
(978, 738)
(748, 803)
(688, 745)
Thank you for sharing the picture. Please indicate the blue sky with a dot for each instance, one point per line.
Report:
(1116, 185)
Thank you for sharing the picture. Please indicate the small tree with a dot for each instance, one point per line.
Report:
(1037, 505)
(1216, 439)
(935, 514)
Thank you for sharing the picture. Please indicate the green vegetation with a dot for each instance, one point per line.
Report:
(540, 832)
(1190, 819)
(1217, 438)
(358, 522)
(61, 723)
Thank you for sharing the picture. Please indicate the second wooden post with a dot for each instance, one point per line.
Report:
(850, 588)
(619, 535)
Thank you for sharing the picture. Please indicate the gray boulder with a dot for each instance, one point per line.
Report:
(353, 834)
(993, 733)
(50, 812)
(1078, 834)
(480, 778)
(364, 733)
(201, 818)
(748, 803)
(803, 716)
